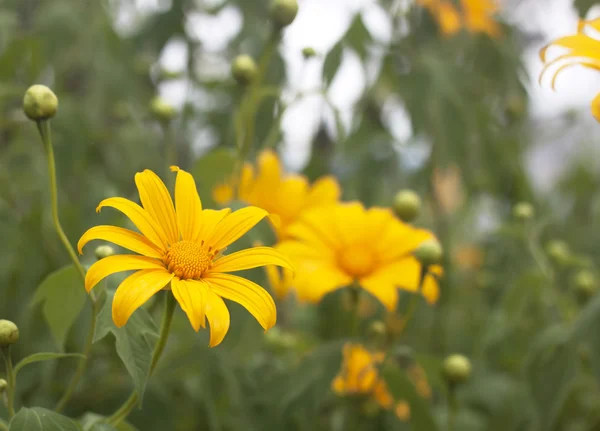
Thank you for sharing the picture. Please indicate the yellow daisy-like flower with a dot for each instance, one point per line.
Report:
(183, 248)
(283, 195)
(338, 245)
(475, 16)
(583, 50)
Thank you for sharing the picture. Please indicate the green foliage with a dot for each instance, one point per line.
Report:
(39, 419)
(40, 357)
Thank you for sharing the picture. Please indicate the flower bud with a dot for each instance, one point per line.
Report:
(558, 252)
(407, 205)
(3, 385)
(283, 12)
(585, 284)
(103, 251)
(9, 333)
(161, 110)
(429, 252)
(456, 369)
(309, 52)
(40, 103)
(244, 69)
(523, 211)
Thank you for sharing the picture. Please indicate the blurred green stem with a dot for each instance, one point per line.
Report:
(121, 414)
(412, 306)
(354, 305)
(170, 149)
(452, 408)
(3, 427)
(10, 380)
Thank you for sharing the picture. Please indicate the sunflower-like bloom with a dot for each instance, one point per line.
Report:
(338, 245)
(181, 250)
(583, 50)
(285, 196)
(475, 16)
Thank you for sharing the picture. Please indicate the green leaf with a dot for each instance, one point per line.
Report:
(583, 6)
(134, 342)
(215, 167)
(39, 419)
(332, 62)
(551, 369)
(45, 356)
(63, 297)
(93, 422)
(357, 36)
(585, 333)
(401, 388)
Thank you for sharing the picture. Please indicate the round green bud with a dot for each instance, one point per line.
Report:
(3, 385)
(40, 103)
(103, 251)
(162, 110)
(283, 12)
(407, 205)
(429, 252)
(456, 369)
(244, 69)
(377, 328)
(523, 211)
(585, 284)
(309, 52)
(558, 252)
(9, 333)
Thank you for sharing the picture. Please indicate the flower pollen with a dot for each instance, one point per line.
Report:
(189, 260)
(357, 260)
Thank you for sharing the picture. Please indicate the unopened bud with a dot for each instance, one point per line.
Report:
(3, 385)
(523, 211)
(9, 333)
(162, 110)
(456, 369)
(40, 103)
(244, 69)
(309, 52)
(103, 251)
(586, 284)
(429, 252)
(558, 252)
(407, 205)
(283, 12)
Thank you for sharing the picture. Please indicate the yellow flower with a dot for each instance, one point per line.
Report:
(337, 245)
(476, 16)
(183, 249)
(285, 196)
(583, 50)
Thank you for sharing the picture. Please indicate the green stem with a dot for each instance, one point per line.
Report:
(10, 380)
(170, 147)
(122, 413)
(355, 304)
(3, 427)
(412, 306)
(452, 408)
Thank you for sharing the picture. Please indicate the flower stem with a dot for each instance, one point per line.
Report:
(122, 413)
(10, 380)
(412, 306)
(452, 408)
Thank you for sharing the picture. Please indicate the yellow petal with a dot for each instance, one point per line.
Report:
(235, 225)
(208, 222)
(251, 258)
(188, 204)
(191, 295)
(246, 182)
(318, 227)
(248, 294)
(326, 190)
(140, 218)
(124, 237)
(135, 290)
(576, 42)
(400, 239)
(316, 279)
(112, 264)
(382, 287)
(269, 168)
(596, 107)
(222, 193)
(218, 318)
(156, 200)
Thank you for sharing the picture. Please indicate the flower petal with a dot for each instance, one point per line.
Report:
(188, 204)
(248, 294)
(122, 262)
(124, 237)
(208, 221)
(596, 107)
(140, 218)
(235, 225)
(156, 200)
(316, 279)
(191, 295)
(400, 239)
(251, 258)
(269, 168)
(218, 317)
(382, 287)
(326, 190)
(135, 290)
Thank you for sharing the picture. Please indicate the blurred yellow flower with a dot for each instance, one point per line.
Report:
(335, 246)
(475, 16)
(283, 195)
(582, 49)
(183, 249)
(359, 376)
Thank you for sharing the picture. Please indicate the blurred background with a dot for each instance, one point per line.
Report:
(387, 102)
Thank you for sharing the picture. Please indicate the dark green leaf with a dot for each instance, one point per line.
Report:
(332, 62)
(63, 297)
(93, 422)
(134, 342)
(585, 333)
(358, 37)
(39, 419)
(46, 356)
(583, 6)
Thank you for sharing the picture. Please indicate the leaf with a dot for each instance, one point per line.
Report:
(357, 36)
(63, 297)
(134, 342)
(39, 419)
(551, 368)
(401, 388)
(216, 167)
(45, 356)
(93, 422)
(583, 6)
(332, 62)
(585, 333)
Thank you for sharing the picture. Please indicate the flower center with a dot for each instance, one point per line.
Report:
(187, 259)
(357, 260)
